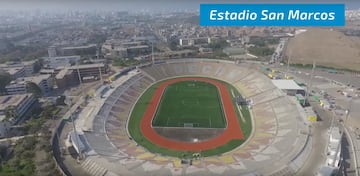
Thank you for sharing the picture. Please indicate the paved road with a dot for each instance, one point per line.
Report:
(324, 83)
(347, 168)
(17, 138)
(319, 135)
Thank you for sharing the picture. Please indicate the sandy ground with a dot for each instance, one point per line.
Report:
(327, 47)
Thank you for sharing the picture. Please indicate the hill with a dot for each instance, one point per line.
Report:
(327, 47)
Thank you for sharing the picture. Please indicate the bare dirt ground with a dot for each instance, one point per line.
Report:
(188, 134)
(327, 47)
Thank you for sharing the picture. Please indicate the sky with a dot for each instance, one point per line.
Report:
(141, 4)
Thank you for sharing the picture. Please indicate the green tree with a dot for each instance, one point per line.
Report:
(10, 113)
(257, 41)
(34, 89)
(5, 79)
(221, 44)
(261, 51)
(173, 45)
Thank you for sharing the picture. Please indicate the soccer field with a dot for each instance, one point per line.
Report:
(190, 104)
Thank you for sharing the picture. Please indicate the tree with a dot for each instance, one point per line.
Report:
(5, 79)
(258, 41)
(261, 51)
(173, 45)
(34, 89)
(221, 44)
(10, 113)
(3, 152)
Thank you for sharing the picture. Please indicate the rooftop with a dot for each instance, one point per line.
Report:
(17, 64)
(48, 71)
(63, 57)
(37, 79)
(12, 70)
(87, 66)
(79, 47)
(11, 100)
(285, 84)
(62, 73)
(138, 47)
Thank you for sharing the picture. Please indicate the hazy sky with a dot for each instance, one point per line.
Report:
(141, 4)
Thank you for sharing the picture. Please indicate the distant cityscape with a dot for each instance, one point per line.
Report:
(57, 65)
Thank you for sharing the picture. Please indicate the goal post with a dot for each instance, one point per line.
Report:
(191, 125)
(188, 125)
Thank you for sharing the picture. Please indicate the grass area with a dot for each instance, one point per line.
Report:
(125, 62)
(190, 102)
(31, 155)
(138, 112)
(245, 126)
(324, 68)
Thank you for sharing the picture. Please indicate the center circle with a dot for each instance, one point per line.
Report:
(190, 111)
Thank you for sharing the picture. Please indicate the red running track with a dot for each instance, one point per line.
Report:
(233, 130)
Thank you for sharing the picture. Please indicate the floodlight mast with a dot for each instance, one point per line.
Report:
(288, 64)
(152, 53)
(310, 83)
(68, 102)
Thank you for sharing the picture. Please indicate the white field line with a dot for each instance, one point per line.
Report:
(241, 115)
(238, 107)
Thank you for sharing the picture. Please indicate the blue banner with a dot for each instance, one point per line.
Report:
(272, 14)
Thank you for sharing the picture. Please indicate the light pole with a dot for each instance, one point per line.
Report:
(68, 102)
(288, 64)
(152, 53)
(307, 93)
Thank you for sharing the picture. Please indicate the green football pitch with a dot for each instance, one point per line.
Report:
(190, 104)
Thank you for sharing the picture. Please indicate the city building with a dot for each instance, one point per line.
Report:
(20, 85)
(60, 61)
(66, 78)
(15, 72)
(19, 69)
(13, 109)
(125, 48)
(52, 51)
(78, 50)
(87, 70)
(70, 76)
(194, 41)
(134, 51)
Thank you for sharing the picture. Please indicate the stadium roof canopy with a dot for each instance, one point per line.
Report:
(285, 84)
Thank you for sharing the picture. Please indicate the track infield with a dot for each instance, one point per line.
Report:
(193, 104)
(231, 133)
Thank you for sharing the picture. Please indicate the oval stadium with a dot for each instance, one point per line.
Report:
(190, 117)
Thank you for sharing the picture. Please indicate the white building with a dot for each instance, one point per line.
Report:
(21, 69)
(16, 88)
(290, 87)
(20, 85)
(61, 61)
(19, 105)
(29, 67)
(194, 41)
(52, 51)
(15, 72)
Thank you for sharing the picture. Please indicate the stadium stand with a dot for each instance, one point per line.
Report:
(276, 126)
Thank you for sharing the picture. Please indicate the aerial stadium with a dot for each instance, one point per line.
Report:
(192, 117)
